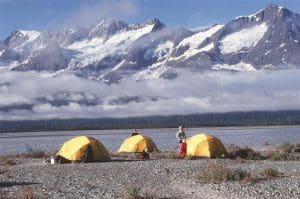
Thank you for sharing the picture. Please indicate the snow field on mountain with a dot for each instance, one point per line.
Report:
(163, 50)
(91, 51)
(162, 53)
(195, 40)
(32, 34)
(243, 40)
(155, 72)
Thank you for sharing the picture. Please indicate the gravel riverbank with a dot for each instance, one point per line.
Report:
(163, 178)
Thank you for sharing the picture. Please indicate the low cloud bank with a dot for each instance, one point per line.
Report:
(31, 95)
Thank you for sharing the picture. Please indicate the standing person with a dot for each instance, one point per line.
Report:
(134, 132)
(180, 135)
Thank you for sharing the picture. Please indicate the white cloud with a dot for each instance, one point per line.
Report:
(89, 14)
(68, 96)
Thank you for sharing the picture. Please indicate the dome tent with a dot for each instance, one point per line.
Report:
(74, 149)
(205, 145)
(138, 143)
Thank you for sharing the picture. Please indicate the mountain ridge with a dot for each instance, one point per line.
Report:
(112, 49)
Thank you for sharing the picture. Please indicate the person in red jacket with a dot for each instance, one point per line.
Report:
(180, 135)
(182, 149)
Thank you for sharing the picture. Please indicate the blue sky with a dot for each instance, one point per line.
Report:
(41, 14)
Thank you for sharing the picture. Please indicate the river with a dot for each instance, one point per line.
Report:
(165, 139)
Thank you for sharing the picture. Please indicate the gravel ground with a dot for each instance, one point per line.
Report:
(164, 178)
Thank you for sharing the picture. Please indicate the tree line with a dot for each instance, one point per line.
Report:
(255, 118)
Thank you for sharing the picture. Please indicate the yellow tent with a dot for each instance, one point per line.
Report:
(138, 143)
(75, 148)
(205, 145)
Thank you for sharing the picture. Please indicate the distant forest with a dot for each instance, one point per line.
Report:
(256, 118)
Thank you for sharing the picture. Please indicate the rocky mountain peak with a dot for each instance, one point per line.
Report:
(268, 39)
(273, 7)
(14, 39)
(273, 12)
(68, 36)
(156, 22)
(107, 27)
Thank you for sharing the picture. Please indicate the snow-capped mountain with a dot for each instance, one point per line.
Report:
(112, 49)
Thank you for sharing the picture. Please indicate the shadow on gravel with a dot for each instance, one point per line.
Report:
(133, 160)
(123, 160)
(11, 184)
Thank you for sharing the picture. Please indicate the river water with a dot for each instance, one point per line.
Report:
(165, 139)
